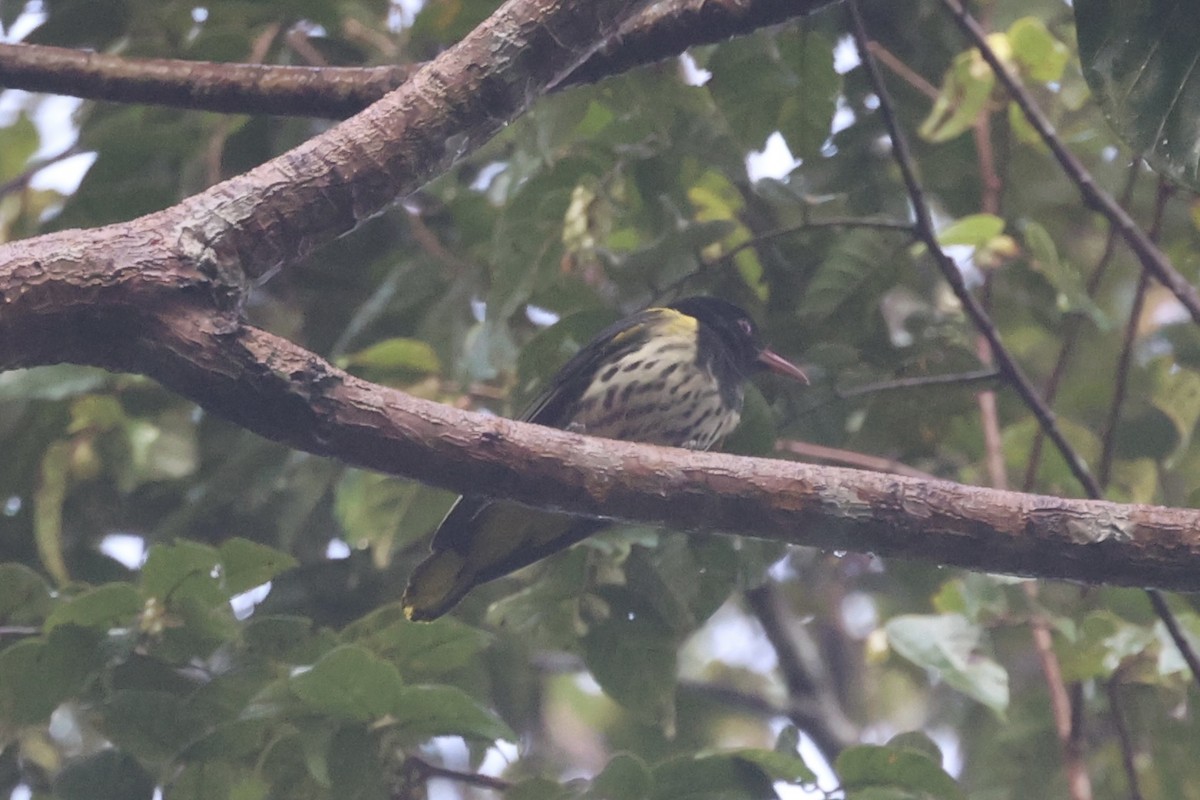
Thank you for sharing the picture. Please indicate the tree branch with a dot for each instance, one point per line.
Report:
(926, 233)
(1152, 259)
(659, 32)
(283, 392)
(329, 92)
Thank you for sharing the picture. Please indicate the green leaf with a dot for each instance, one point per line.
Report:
(419, 650)
(57, 382)
(715, 777)
(975, 230)
(153, 726)
(38, 674)
(966, 88)
(948, 644)
(48, 501)
(290, 640)
(1065, 279)
(350, 682)
(24, 596)
(424, 711)
(181, 571)
(796, 88)
(395, 357)
(18, 142)
(918, 741)
(857, 261)
(1139, 58)
(539, 789)
(386, 512)
(632, 655)
(246, 564)
(870, 766)
(1041, 56)
(107, 775)
(787, 767)
(626, 777)
(108, 606)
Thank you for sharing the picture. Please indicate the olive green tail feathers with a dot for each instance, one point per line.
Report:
(480, 541)
(436, 586)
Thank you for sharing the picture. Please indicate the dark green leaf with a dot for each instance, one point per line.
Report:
(872, 767)
(246, 564)
(632, 654)
(1139, 57)
(107, 775)
(104, 607)
(715, 777)
(350, 682)
(424, 711)
(625, 777)
(948, 644)
(24, 596)
(153, 726)
(419, 650)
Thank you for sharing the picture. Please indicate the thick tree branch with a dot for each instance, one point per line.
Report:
(330, 92)
(283, 392)
(663, 31)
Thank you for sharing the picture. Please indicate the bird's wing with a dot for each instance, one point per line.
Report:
(482, 539)
(572, 380)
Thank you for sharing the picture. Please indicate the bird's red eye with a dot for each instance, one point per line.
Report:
(746, 326)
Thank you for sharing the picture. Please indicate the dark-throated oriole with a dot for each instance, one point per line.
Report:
(671, 375)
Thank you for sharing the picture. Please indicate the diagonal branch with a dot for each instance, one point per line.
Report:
(1153, 260)
(926, 233)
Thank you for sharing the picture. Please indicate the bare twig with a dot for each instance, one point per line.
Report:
(903, 71)
(22, 180)
(424, 771)
(803, 675)
(1075, 327)
(1065, 709)
(925, 381)
(849, 458)
(1152, 259)
(1121, 383)
(927, 234)
(1181, 641)
(1125, 738)
(818, 224)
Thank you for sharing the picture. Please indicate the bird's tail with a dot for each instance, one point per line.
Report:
(436, 586)
(480, 541)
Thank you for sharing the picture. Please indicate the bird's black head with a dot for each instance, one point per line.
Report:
(733, 328)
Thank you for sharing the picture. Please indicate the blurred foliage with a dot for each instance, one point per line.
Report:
(629, 666)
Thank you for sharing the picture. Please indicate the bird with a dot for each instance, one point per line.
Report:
(670, 375)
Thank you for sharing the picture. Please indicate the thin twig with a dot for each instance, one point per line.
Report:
(1066, 713)
(849, 458)
(903, 71)
(953, 379)
(804, 678)
(1075, 327)
(424, 770)
(833, 222)
(1121, 384)
(763, 238)
(1167, 616)
(1094, 197)
(22, 180)
(927, 234)
(1124, 737)
(19, 630)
